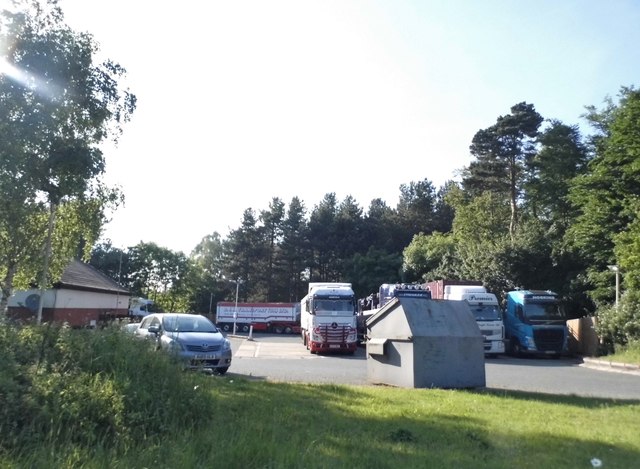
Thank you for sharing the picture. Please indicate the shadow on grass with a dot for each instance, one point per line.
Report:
(559, 399)
(270, 424)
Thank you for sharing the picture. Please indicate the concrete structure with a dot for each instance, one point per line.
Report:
(423, 343)
(83, 297)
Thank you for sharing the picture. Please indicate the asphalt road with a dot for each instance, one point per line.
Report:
(284, 358)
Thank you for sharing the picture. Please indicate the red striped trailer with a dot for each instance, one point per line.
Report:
(280, 318)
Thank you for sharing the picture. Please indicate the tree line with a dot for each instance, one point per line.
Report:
(540, 206)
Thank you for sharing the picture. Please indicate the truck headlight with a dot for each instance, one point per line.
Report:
(529, 343)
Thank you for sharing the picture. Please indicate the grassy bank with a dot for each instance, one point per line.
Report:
(625, 354)
(117, 404)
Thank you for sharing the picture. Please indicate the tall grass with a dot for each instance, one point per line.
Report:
(629, 353)
(101, 399)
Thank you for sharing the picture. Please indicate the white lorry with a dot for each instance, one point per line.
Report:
(140, 307)
(328, 318)
(486, 310)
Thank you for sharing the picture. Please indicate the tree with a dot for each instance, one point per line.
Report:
(296, 255)
(562, 157)
(56, 107)
(323, 239)
(606, 196)
(208, 267)
(159, 273)
(502, 153)
(417, 209)
(272, 222)
(245, 256)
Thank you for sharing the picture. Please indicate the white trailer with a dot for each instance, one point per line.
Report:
(328, 318)
(269, 317)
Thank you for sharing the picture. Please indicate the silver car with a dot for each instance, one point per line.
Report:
(191, 338)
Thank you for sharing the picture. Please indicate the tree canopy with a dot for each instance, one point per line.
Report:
(56, 107)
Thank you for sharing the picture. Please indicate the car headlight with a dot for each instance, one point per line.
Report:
(174, 346)
(226, 345)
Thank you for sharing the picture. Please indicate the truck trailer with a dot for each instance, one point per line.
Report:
(280, 318)
(483, 304)
(535, 323)
(328, 318)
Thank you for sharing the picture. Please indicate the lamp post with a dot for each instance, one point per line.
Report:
(237, 281)
(616, 269)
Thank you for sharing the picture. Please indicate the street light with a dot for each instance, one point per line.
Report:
(238, 281)
(616, 269)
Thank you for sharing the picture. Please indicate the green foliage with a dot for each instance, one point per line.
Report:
(621, 325)
(369, 271)
(55, 115)
(502, 153)
(192, 420)
(627, 252)
(629, 353)
(89, 388)
(427, 256)
(606, 196)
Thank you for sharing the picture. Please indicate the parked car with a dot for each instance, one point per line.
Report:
(191, 338)
(130, 327)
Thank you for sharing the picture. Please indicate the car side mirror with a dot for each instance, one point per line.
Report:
(154, 329)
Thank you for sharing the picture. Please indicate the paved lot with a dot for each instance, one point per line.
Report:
(284, 358)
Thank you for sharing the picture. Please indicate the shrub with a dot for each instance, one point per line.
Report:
(90, 387)
(617, 326)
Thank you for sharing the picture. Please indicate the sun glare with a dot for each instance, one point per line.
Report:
(10, 70)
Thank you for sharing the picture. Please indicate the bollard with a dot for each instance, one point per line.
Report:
(251, 332)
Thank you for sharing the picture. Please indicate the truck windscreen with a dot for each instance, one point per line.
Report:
(485, 312)
(543, 312)
(329, 307)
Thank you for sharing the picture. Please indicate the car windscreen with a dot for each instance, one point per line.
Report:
(188, 324)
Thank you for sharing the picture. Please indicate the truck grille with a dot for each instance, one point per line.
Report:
(335, 335)
(549, 339)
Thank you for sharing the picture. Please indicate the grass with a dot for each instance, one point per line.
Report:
(192, 420)
(626, 354)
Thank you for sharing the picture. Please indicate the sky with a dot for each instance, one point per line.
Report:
(243, 101)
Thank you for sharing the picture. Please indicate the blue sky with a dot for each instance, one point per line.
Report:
(243, 101)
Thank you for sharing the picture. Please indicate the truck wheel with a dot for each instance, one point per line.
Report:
(226, 327)
(517, 348)
(288, 330)
(278, 329)
(245, 328)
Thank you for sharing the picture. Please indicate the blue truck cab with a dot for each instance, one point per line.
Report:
(534, 323)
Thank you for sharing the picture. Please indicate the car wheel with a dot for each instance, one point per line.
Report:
(221, 371)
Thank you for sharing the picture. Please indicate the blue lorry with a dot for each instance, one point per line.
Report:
(535, 323)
